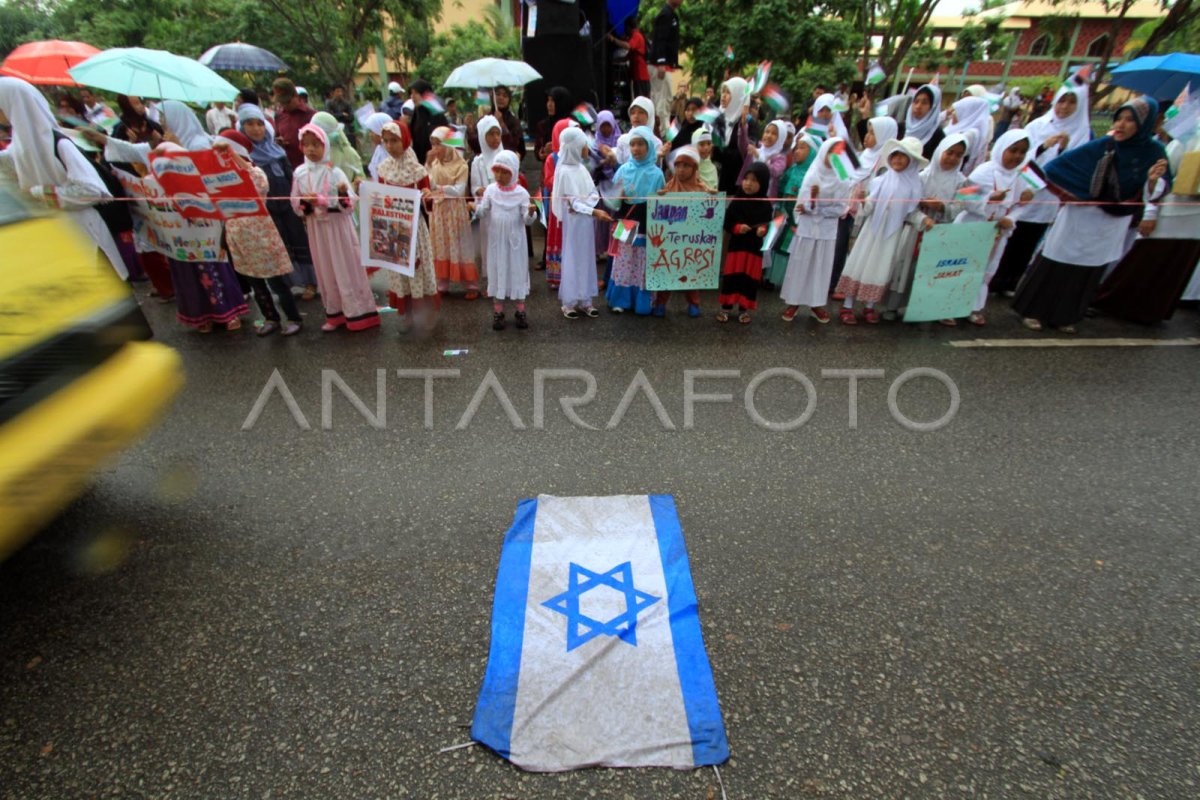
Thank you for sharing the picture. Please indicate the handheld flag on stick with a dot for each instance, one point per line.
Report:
(541, 210)
(875, 74)
(625, 230)
(840, 106)
(673, 131)
(708, 116)
(729, 53)
(935, 80)
(583, 115)
(837, 160)
(1182, 122)
(967, 192)
(433, 103)
(761, 75)
(455, 140)
(483, 97)
(1031, 177)
(773, 232)
(775, 97)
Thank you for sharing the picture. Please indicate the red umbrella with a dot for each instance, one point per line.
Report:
(46, 63)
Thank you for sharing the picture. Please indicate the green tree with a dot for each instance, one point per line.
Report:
(463, 43)
(24, 21)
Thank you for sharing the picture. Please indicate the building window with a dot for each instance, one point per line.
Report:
(1040, 46)
(1098, 47)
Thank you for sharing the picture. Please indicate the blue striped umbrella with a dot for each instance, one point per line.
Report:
(242, 58)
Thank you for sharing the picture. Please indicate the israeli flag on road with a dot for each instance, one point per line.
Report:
(597, 657)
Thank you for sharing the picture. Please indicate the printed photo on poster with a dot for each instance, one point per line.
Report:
(388, 227)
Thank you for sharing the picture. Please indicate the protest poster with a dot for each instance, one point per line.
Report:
(158, 226)
(208, 184)
(388, 219)
(949, 271)
(683, 241)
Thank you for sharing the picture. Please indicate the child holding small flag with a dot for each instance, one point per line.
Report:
(771, 151)
(552, 254)
(449, 222)
(892, 198)
(746, 220)
(821, 199)
(702, 139)
(636, 180)
(804, 155)
(321, 194)
(574, 200)
(506, 204)
(1001, 189)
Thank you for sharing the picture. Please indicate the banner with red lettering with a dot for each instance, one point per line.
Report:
(683, 241)
(207, 184)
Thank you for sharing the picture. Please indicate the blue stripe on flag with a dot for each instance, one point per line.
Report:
(498, 697)
(709, 745)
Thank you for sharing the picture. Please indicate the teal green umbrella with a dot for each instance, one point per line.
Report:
(153, 73)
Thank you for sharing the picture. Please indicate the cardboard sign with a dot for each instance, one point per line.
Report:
(949, 271)
(683, 241)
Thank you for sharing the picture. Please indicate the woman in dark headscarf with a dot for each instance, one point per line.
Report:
(558, 107)
(1104, 184)
(135, 126)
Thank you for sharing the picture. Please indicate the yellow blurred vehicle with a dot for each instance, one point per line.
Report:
(78, 383)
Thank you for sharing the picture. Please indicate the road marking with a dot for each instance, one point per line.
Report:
(1074, 342)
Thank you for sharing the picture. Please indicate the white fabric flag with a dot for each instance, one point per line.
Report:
(597, 657)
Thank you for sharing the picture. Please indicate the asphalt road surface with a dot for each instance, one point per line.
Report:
(1003, 607)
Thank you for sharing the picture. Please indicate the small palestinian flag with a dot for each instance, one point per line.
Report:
(761, 75)
(837, 160)
(729, 53)
(773, 232)
(1173, 111)
(775, 97)
(1031, 177)
(673, 131)
(708, 116)
(841, 106)
(483, 97)
(1082, 76)
(583, 115)
(454, 140)
(433, 103)
(875, 74)
(541, 210)
(968, 192)
(625, 231)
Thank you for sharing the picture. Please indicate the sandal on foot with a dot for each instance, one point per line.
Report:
(570, 313)
(789, 314)
(268, 327)
(204, 327)
(847, 317)
(291, 328)
(310, 293)
(744, 318)
(722, 316)
(820, 314)
(1032, 324)
(590, 312)
(233, 325)
(949, 323)
(871, 316)
(471, 295)
(498, 321)
(977, 319)
(522, 320)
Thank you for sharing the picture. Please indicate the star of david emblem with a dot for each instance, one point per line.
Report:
(582, 628)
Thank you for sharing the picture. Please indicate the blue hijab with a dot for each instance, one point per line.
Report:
(1105, 170)
(268, 150)
(641, 179)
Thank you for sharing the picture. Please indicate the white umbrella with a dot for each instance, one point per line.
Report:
(487, 73)
(153, 73)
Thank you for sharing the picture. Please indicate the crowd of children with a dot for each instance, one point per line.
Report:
(857, 200)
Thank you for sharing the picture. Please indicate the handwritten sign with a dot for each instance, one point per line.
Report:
(683, 241)
(158, 225)
(207, 184)
(388, 227)
(949, 271)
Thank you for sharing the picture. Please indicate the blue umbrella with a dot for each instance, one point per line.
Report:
(1161, 77)
(242, 58)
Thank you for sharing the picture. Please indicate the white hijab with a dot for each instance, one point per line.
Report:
(184, 126)
(32, 150)
(825, 178)
(488, 154)
(885, 130)
(894, 195)
(571, 178)
(992, 175)
(765, 153)
(836, 123)
(926, 126)
(739, 91)
(1077, 127)
(943, 184)
(975, 120)
(508, 196)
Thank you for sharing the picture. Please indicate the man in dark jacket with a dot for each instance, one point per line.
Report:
(394, 104)
(424, 122)
(664, 58)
